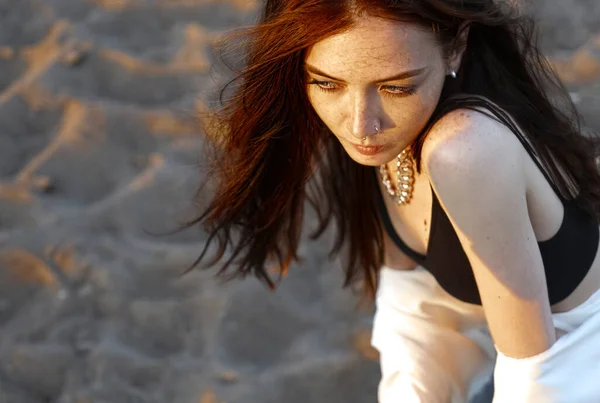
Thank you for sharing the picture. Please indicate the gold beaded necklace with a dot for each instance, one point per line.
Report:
(403, 191)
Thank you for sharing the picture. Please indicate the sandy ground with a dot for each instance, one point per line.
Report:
(98, 150)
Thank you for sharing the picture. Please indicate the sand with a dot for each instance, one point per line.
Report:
(99, 148)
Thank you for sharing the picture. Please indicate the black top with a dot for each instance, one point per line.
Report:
(567, 256)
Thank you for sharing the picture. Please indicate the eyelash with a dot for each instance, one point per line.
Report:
(406, 90)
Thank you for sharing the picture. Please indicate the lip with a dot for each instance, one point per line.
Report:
(368, 150)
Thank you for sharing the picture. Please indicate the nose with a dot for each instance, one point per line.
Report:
(362, 120)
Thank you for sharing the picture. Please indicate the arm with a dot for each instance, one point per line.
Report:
(476, 169)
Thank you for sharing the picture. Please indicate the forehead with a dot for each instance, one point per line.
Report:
(372, 46)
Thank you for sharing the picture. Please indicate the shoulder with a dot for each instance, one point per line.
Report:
(469, 148)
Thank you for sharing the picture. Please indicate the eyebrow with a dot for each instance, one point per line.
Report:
(400, 76)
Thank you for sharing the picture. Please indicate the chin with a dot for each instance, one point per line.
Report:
(369, 162)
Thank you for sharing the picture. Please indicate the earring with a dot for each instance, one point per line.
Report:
(453, 74)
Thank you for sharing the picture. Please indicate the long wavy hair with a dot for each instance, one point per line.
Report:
(272, 153)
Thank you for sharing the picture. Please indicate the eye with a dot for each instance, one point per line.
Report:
(398, 90)
(387, 90)
(327, 86)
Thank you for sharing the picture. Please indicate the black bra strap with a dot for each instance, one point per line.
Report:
(495, 112)
(389, 227)
(536, 160)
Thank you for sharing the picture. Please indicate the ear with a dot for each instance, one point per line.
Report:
(460, 45)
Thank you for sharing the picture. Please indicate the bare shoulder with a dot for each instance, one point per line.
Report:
(469, 142)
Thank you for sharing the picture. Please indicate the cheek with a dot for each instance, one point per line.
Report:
(414, 112)
(323, 106)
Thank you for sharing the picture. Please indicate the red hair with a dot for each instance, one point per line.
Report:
(272, 153)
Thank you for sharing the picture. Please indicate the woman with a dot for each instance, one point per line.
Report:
(452, 162)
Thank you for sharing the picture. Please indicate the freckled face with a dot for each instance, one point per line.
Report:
(379, 72)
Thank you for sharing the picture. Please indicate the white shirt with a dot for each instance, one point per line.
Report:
(435, 348)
